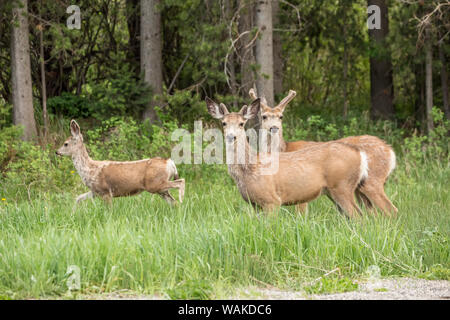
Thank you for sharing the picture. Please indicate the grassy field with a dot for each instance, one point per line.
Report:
(214, 242)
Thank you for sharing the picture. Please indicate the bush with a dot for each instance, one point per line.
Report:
(70, 105)
(119, 95)
(435, 145)
(5, 113)
(25, 166)
(124, 139)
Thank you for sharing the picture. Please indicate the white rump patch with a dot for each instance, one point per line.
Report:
(171, 169)
(392, 162)
(364, 167)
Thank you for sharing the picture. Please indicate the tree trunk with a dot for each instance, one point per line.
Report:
(345, 78)
(23, 112)
(264, 50)
(43, 81)
(444, 80)
(151, 53)
(381, 80)
(419, 114)
(229, 11)
(245, 47)
(133, 22)
(277, 51)
(429, 79)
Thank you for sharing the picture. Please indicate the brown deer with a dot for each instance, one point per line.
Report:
(109, 179)
(332, 168)
(380, 156)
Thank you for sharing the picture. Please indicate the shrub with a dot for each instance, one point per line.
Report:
(25, 166)
(119, 95)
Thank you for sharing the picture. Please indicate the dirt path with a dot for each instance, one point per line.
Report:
(381, 289)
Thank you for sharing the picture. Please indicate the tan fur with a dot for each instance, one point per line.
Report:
(109, 179)
(302, 176)
(381, 157)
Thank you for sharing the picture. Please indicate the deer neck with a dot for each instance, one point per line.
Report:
(85, 166)
(247, 166)
(280, 146)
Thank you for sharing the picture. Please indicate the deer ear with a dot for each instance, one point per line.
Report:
(74, 128)
(251, 111)
(215, 110)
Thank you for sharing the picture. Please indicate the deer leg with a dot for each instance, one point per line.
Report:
(302, 208)
(379, 199)
(363, 200)
(108, 199)
(345, 200)
(168, 197)
(175, 184)
(84, 196)
(270, 209)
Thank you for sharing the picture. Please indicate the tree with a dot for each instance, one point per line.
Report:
(151, 52)
(246, 54)
(444, 79)
(23, 112)
(133, 23)
(431, 25)
(264, 50)
(381, 78)
(277, 51)
(429, 78)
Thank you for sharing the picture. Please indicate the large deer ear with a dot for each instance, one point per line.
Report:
(215, 110)
(252, 94)
(74, 128)
(251, 111)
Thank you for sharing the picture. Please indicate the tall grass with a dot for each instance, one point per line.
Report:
(216, 240)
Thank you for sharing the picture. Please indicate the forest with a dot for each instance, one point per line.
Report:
(131, 72)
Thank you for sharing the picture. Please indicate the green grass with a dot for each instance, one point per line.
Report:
(214, 240)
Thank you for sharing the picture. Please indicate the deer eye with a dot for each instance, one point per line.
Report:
(66, 144)
(281, 117)
(264, 117)
(224, 124)
(241, 124)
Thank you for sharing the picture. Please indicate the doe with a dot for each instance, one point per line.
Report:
(380, 156)
(108, 179)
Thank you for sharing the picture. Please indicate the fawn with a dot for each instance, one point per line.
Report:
(380, 156)
(332, 168)
(109, 179)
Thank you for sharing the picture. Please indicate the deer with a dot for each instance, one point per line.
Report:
(380, 156)
(108, 179)
(334, 169)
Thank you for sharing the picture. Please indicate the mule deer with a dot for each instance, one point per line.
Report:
(333, 168)
(109, 179)
(380, 156)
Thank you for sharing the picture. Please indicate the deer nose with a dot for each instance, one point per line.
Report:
(57, 153)
(274, 129)
(230, 138)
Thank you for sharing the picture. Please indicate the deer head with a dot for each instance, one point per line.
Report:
(271, 118)
(74, 143)
(233, 123)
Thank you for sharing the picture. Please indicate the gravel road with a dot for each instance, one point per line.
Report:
(380, 289)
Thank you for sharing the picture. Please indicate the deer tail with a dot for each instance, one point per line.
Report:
(363, 168)
(173, 172)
